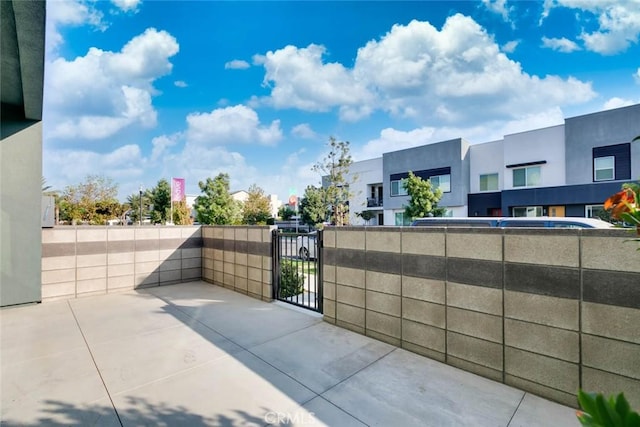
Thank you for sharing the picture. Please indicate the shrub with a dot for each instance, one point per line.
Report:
(291, 280)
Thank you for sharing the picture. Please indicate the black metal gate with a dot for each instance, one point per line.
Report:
(297, 268)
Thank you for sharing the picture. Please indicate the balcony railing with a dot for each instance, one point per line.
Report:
(374, 202)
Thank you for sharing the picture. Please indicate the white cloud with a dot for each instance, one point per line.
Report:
(111, 90)
(456, 75)
(231, 125)
(499, 7)
(197, 163)
(236, 64)
(511, 46)
(127, 5)
(69, 13)
(299, 79)
(125, 164)
(180, 83)
(563, 44)
(161, 145)
(616, 102)
(618, 23)
(392, 139)
(304, 131)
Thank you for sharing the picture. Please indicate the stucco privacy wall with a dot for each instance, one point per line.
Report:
(547, 311)
(79, 261)
(238, 258)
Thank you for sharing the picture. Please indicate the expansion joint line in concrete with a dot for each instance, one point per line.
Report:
(104, 384)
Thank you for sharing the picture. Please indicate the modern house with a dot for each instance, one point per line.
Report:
(445, 163)
(563, 170)
(365, 186)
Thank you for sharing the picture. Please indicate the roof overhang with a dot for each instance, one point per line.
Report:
(22, 66)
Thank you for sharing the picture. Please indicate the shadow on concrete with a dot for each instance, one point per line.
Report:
(140, 413)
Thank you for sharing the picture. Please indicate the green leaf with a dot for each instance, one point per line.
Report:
(632, 420)
(588, 402)
(622, 406)
(629, 218)
(606, 412)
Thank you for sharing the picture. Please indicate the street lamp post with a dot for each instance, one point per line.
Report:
(141, 205)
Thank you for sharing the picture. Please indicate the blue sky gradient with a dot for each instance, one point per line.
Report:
(139, 91)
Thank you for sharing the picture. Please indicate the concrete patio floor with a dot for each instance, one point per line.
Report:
(197, 354)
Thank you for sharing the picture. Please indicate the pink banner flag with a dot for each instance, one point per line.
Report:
(177, 189)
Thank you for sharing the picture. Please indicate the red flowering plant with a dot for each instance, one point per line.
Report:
(625, 206)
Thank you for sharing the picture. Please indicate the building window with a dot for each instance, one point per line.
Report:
(443, 182)
(489, 182)
(527, 177)
(604, 168)
(594, 211)
(527, 211)
(397, 188)
(612, 162)
(401, 219)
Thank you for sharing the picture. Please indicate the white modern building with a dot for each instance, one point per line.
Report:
(563, 170)
(365, 186)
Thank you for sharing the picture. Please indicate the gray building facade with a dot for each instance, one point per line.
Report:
(599, 135)
(445, 163)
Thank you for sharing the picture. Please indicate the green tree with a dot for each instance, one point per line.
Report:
(366, 216)
(313, 206)
(215, 205)
(336, 180)
(257, 208)
(160, 198)
(286, 213)
(133, 201)
(181, 213)
(93, 201)
(423, 199)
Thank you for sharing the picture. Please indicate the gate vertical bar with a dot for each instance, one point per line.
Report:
(319, 271)
(275, 264)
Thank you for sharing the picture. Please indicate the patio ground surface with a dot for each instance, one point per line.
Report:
(197, 354)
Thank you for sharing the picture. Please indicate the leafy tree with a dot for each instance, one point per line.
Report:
(93, 201)
(257, 207)
(181, 213)
(423, 199)
(215, 205)
(286, 213)
(313, 206)
(160, 198)
(336, 180)
(366, 216)
(133, 201)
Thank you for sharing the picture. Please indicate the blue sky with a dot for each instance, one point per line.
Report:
(139, 91)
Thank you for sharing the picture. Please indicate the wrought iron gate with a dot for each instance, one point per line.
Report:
(297, 268)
